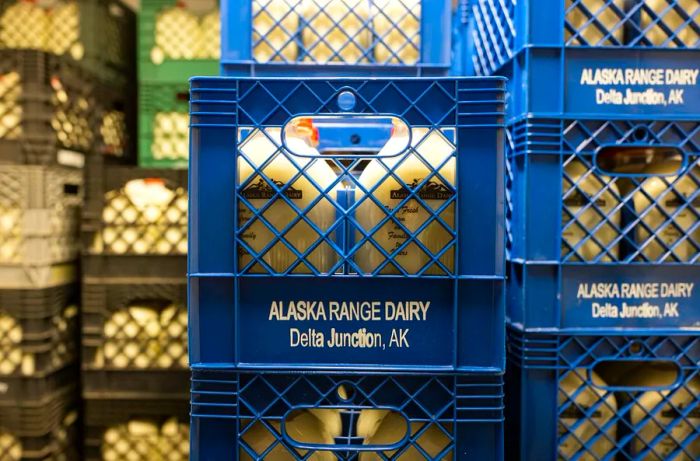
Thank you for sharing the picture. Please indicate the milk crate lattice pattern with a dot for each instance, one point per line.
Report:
(650, 216)
(646, 411)
(425, 247)
(431, 408)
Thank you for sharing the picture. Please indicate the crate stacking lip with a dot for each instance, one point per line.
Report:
(619, 395)
(134, 339)
(149, 428)
(504, 29)
(345, 416)
(341, 37)
(354, 285)
(603, 223)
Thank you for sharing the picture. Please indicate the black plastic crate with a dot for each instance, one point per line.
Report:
(134, 339)
(47, 111)
(144, 429)
(38, 333)
(54, 435)
(125, 236)
(31, 390)
(115, 124)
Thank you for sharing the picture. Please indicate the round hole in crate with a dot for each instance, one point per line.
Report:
(355, 139)
(346, 100)
(636, 347)
(640, 133)
(345, 392)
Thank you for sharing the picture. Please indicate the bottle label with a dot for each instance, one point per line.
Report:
(261, 190)
(633, 296)
(432, 190)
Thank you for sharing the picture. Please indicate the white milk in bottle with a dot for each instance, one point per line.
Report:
(666, 13)
(650, 421)
(580, 187)
(25, 25)
(275, 24)
(336, 30)
(434, 149)
(655, 204)
(396, 25)
(579, 435)
(301, 138)
(607, 27)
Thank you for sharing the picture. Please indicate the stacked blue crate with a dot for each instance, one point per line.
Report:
(603, 242)
(303, 310)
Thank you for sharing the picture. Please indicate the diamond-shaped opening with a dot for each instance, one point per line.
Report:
(671, 23)
(259, 437)
(396, 26)
(595, 22)
(433, 440)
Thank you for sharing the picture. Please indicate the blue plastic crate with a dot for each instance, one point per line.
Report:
(341, 37)
(345, 417)
(613, 396)
(274, 302)
(592, 58)
(586, 236)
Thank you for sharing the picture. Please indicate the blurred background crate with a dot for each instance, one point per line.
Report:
(134, 340)
(178, 40)
(164, 125)
(141, 429)
(97, 34)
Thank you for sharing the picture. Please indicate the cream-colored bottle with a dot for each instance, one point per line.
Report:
(173, 323)
(384, 427)
(135, 440)
(65, 30)
(607, 28)
(316, 426)
(177, 35)
(649, 421)
(396, 26)
(11, 355)
(24, 25)
(581, 219)
(654, 203)
(282, 169)
(665, 13)
(10, 445)
(210, 36)
(132, 338)
(434, 149)
(579, 436)
(336, 30)
(275, 23)
(174, 440)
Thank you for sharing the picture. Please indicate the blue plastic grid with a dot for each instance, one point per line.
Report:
(461, 275)
(258, 416)
(341, 37)
(617, 396)
(592, 58)
(503, 28)
(572, 226)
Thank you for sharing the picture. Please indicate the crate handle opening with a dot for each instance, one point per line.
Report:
(71, 189)
(345, 428)
(640, 160)
(347, 135)
(636, 374)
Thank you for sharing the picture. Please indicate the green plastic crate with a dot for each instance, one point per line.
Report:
(178, 39)
(163, 125)
(98, 34)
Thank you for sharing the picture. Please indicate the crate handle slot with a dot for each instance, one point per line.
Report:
(639, 374)
(346, 135)
(640, 160)
(350, 428)
(71, 189)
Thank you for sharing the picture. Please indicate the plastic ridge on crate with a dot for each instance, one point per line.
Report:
(618, 395)
(177, 40)
(593, 245)
(148, 428)
(609, 59)
(134, 223)
(134, 339)
(96, 34)
(345, 416)
(39, 332)
(48, 109)
(443, 300)
(50, 432)
(164, 125)
(342, 38)
(37, 387)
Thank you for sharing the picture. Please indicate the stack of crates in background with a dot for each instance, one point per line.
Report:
(604, 224)
(347, 268)
(177, 39)
(57, 63)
